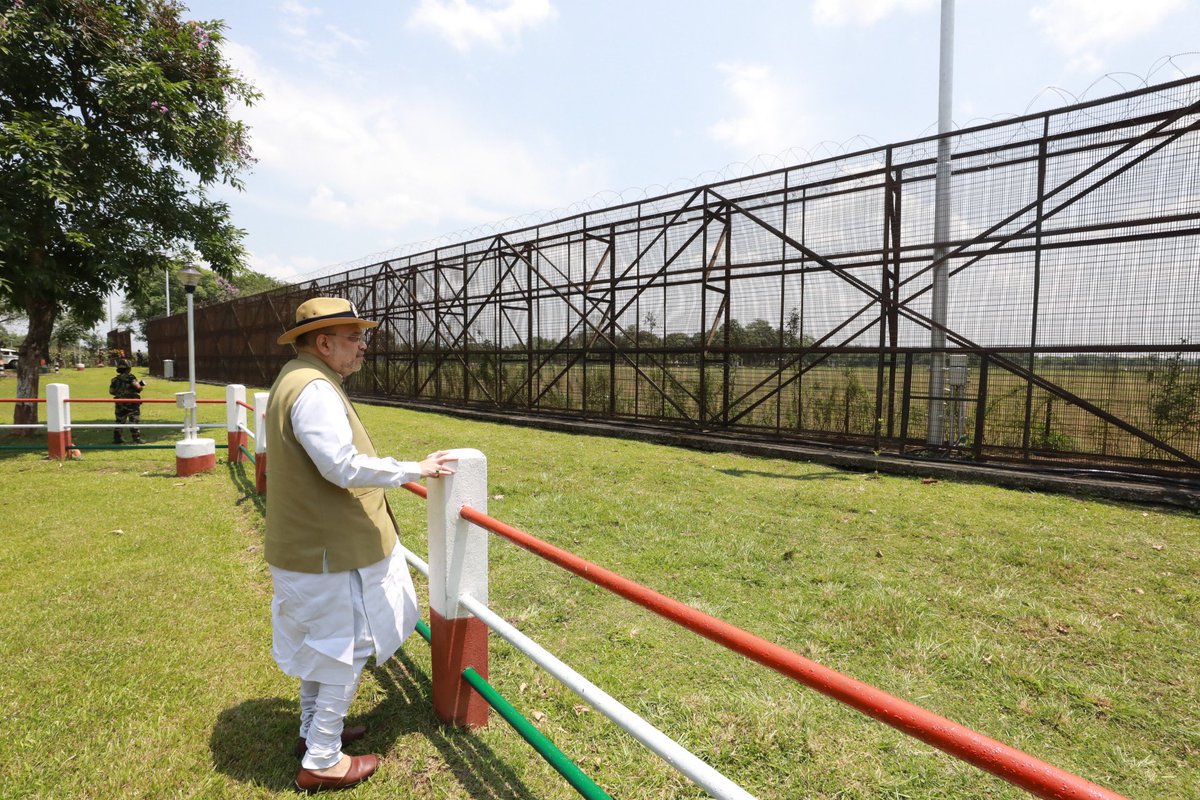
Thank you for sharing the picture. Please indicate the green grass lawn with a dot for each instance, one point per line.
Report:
(135, 635)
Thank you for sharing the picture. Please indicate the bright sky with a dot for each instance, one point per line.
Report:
(388, 124)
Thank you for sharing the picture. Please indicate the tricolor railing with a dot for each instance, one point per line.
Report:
(59, 424)
(536, 739)
(17, 427)
(460, 619)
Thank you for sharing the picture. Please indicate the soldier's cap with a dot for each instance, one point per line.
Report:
(324, 312)
(123, 363)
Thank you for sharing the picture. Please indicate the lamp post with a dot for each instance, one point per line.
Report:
(190, 276)
(192, 454)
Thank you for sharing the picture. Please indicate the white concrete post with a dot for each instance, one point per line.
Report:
(260, 441)
(235, 420)
(193, 455)
(58, 420)
(457, 565)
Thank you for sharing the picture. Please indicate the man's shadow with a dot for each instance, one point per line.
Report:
(252, 742)
(242, 475)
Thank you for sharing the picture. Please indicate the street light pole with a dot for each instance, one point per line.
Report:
(193, 454)
(190, 277)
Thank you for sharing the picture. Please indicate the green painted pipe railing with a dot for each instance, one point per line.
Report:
(247, 453)
(133, 446)
(545, 748)
(554, 757)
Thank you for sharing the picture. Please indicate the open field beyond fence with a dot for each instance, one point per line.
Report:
(837, 398)
(134, 630)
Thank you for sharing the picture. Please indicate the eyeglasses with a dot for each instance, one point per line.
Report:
(357, 338)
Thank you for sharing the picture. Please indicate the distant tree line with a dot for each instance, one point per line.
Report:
(678, 348)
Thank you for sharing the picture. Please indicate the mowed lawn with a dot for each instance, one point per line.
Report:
(135, 635)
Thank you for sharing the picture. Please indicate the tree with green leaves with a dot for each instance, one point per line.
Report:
(69, 332)
(115, 121)
(149, 301)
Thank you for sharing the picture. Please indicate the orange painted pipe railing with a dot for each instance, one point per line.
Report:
(1018, 768)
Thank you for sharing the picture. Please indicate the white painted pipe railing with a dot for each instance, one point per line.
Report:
(664, 746)
(460, 621)
(175, 425)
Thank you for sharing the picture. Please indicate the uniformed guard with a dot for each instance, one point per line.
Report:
(127, 386)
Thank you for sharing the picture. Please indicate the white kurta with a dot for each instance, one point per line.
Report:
(312, 614)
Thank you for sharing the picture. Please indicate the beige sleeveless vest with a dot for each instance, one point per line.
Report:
(310, 521)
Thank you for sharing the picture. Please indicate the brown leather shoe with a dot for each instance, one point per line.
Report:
(348, 735)
(361, 768)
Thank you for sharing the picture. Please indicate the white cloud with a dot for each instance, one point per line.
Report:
(284, 268)
(396, 165)
(294, 16)
(323, 48)
(1086, 63)
(768, 119)
(464, 24)
(1078, 27)
(295, 8)
(863, 12)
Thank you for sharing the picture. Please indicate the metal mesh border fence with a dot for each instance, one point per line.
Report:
(797, 303)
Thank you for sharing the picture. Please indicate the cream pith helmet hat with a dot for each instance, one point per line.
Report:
(324, 312)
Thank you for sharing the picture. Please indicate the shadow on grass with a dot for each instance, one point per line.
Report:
(824, 475)
(252, 742)
(15, 446)
(246, 484)
(478, 770)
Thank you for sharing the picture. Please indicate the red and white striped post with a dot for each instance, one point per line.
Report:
(235, 421)
(457, 566)
(58, 420)
(260, 441)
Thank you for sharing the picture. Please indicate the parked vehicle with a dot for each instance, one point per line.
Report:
(8, 358)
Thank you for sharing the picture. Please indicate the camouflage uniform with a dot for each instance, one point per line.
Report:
(126, 385)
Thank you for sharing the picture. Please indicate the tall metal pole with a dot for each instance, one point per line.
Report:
(941, 232)
(167, 272)
(193, 455)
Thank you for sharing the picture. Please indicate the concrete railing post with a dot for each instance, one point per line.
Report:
(457, 566)
(58, 420)
(260, 441)
(235, 420)
(193, 455)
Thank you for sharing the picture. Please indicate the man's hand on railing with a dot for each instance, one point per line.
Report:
(434, 464)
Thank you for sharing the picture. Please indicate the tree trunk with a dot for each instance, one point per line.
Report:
(35, 348)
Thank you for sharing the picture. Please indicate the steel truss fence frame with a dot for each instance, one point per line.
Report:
(796, 304)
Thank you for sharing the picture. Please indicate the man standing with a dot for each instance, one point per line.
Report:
(127, 386)
(342, 590)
